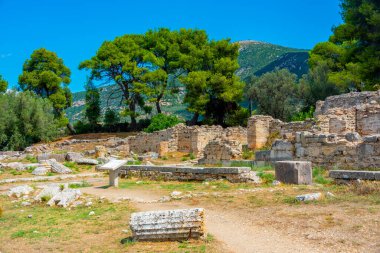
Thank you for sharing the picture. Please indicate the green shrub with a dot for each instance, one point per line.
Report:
(28, 119)
(192, 156)
(238, 117)
(301, 116)
(162, 121)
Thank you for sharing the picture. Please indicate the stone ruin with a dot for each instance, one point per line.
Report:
(193, 139)
(344, 133)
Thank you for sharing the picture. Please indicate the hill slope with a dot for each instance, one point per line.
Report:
(255, 58)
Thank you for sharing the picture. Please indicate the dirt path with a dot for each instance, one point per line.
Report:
(233, 228)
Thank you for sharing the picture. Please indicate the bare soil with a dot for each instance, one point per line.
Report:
(245, 222)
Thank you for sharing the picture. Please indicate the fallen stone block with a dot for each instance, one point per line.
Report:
(354, 174)
(309, 197)
(293, 172)
(49, 156)
(48, 192)
(19, 191)
(87, 161)
(73, 156)
(65, 197)
(171, 225)
(15, 165)
(57, 167)
(40, 171)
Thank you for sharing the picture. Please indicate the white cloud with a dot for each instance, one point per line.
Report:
(2, 56)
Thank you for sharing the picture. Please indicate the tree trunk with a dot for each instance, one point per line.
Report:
(158, 107)
(132, 108)
(71, 128)
(194, 120)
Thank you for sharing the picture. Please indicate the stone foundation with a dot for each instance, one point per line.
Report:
(172, 173)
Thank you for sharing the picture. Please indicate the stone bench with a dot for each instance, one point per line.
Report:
(113, 167)
(354, 175)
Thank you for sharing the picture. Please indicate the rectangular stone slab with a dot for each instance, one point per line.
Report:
(355, 174)
(113, 165)
(169, 225)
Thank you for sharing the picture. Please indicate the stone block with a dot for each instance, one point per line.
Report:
(354, 174)
(262, 155)
(170, 225)
(293, 172)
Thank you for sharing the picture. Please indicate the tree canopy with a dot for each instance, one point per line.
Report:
(29, 119)
(92, 104)
(141, 66)
(46, 75)
(3, 84)
(353, 51)
(276, 94)
(127, 63)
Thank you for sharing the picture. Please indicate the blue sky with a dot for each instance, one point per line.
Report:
(75, 29)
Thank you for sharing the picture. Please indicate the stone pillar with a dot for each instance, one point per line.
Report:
(163, 148)
(258, 131)
(114, 178)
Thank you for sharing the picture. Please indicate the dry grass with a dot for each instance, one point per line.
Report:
(60, 230)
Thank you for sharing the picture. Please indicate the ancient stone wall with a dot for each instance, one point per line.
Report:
(353, 112)
(219, 151)
(346, 133)
(192, 139)
(261, 128)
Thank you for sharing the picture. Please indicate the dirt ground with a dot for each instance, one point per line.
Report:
(239, 218)
(249, 221)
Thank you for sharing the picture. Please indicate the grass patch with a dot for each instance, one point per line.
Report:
(31, 159)
(82, 184)
(267, 178)
(320, 176)
(72, 165)
(135, 162)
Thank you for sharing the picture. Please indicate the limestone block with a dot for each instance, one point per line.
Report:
(73, 156)
(48, 156)
(87, 161)
(293, 172)
(65, 197)
(354, 174)
(178, 225)
(48, 192)
(19, 191)
(163, 148)
(40, 171)
(57, 167)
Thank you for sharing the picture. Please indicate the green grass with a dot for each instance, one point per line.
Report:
(320, 176)
(80, 185)
(31, 159)
(267, 178)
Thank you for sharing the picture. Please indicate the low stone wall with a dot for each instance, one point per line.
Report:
(169, 173)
